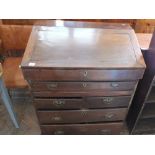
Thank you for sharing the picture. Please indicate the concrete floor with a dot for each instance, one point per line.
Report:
(27, 120)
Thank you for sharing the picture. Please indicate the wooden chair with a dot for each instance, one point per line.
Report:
(14, 39)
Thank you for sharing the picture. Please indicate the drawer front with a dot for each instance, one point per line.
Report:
(82, 75)
(83, 129)
(78, 103)
(82, 86)
(108, 102)
(81, 116)
(66, 93)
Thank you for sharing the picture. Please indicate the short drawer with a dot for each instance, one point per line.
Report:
(81, 116)
(82, 86)
(82, 74)
(78, 103)
(83, 129)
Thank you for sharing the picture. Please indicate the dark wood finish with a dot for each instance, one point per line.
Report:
(98, 49)
(78, 103)
(88, 74)
(81, 116)
(82, 75)
(86, 129)
(80, 93)
(80, 86)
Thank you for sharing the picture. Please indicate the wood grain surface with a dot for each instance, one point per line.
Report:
(81, 116)
(15, 37)
(79, 103)
(60, 47)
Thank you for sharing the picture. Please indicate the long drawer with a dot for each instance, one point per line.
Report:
(82, 86)
(81, 116)
(63, 93)
(78, 103)
(82, 75)
(79, 129)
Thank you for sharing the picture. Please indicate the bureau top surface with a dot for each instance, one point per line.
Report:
(64, 47)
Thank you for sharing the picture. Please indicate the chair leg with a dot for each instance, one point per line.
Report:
(7, 102)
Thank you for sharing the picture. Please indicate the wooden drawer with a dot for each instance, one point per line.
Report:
(81, 116)
(82, 75)
(63, 93)
(86, 129)
(82, 86)
(78, 103)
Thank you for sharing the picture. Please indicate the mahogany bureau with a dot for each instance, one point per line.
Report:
(82, 79)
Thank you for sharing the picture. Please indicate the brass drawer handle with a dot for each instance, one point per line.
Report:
(59, 132)
(114, 85)
(85, 73)
(109, 116)
(52, 85)
(105, 132)
(107, 100)
(84, 85)
(56, 118)
(58, 102)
